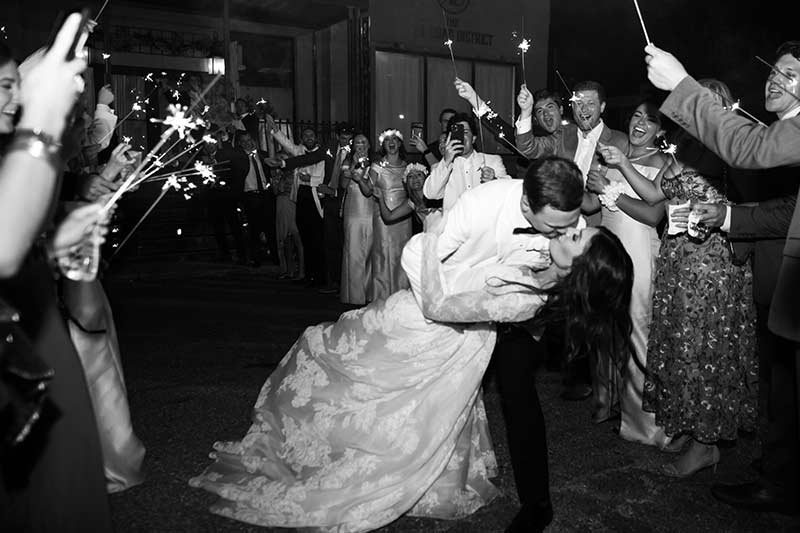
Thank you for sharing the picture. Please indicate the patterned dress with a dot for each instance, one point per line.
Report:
(378, 414)
(701, 361)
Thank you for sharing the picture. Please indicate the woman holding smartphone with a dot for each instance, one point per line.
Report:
(51, 478)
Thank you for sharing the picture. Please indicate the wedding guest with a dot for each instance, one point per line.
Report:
(386, 181)
(634, 222)
(462, 166)
(305, 192)
(290, 246)
(702, 381)
(91, 327)
(255, 198)
(224, 196)
(744, 144)
(332, 207)
(430, 217)
(357, 214)
(40, 473)
(547, 110)
(431, 151)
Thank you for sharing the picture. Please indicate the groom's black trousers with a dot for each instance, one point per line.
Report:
(515, 360)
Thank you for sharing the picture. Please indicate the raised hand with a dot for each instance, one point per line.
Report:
(104, 95)
(49, 89)
(663, 69)
(452, 148)
(612, 155)
(119, 159)
(419, 144)
(525, 101)
(466, 91)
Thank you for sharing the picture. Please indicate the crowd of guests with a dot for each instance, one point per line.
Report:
(707, 330)
(700, 345)
(690, 378)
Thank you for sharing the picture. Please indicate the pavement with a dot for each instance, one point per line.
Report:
(198, 340)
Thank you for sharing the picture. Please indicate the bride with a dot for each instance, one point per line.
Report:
(380, 413)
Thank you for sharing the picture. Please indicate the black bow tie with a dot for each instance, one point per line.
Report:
(526, 231)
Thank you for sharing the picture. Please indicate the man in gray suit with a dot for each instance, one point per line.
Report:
(744, 144)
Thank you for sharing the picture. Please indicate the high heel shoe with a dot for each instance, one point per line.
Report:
(676, 445)
(671, 470)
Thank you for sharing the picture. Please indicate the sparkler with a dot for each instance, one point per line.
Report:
(523, 46)
(101, 11)
(641, 21)
(778, 71)
(735, 106)
(449, 43)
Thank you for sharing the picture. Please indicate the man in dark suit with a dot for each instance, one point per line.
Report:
(577, 141)
(248, 120)
(225, 195)
(744, 144)
(331, 207)
(258, 208)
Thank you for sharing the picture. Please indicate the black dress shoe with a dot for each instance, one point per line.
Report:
(755, 496)
(577, 392)
(531, 519)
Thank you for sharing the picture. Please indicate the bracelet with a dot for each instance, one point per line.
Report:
(611, 194)
(427, 151)
(37, 144)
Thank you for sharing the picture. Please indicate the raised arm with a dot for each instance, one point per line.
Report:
(283, 140)
(738, 141)
(649, 191)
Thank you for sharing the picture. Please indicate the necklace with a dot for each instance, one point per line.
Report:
(648, 151)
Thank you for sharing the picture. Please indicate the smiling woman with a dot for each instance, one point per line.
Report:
(9, 93)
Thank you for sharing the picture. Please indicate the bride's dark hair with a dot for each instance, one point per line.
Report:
(592, 301)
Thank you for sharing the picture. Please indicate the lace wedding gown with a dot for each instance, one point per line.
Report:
(380, 413)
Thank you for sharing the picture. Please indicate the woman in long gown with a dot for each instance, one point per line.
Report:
(92, 330)
(386, 176)
(53, 479)
(702, 371)
(357, 214)
(634, 222)
(380, 413)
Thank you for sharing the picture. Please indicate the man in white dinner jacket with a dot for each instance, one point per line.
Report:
(511, 222)
(462, 168)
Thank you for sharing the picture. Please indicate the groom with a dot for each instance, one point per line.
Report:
(511, 222)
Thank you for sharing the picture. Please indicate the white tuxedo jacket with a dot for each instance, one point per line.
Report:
(449, 182)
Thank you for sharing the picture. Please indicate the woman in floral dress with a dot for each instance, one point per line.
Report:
(702, 371)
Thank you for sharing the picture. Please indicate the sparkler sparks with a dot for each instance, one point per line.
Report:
(736, 106)
(179, 120)
(106, 57)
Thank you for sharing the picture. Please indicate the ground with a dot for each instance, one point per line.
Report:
(199, 339)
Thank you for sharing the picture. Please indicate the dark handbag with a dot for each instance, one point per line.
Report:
(24, 378)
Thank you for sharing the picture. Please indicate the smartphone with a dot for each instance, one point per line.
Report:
(81, 36)
(417, 130)
(457, 132)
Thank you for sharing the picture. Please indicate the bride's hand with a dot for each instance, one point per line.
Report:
(612, 155)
